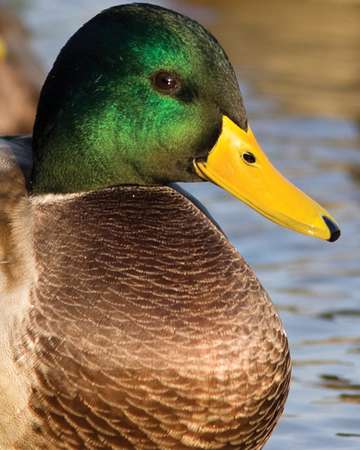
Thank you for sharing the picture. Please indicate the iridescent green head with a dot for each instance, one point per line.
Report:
(134, 97)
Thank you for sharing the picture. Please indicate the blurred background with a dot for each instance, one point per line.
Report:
(298, 65)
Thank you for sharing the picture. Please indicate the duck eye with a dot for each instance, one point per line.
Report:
(249, 157)
(166, 82)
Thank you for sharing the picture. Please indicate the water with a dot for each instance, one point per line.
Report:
(300, 79)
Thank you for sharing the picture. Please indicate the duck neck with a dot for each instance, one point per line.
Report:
(80, 154)
(85, 169)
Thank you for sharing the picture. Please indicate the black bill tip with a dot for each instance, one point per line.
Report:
(333, 228)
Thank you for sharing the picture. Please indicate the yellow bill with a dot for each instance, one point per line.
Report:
(237, 164)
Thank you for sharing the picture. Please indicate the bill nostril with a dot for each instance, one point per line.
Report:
(333, 228)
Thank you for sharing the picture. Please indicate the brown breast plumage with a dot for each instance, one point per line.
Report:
(146, 329)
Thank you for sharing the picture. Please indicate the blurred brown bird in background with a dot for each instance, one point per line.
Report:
(20, 77)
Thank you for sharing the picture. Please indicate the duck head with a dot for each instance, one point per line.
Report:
(143, 95)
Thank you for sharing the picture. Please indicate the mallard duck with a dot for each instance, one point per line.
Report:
(128, 320)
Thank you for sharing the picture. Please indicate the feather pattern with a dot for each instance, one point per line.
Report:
(143, 329)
